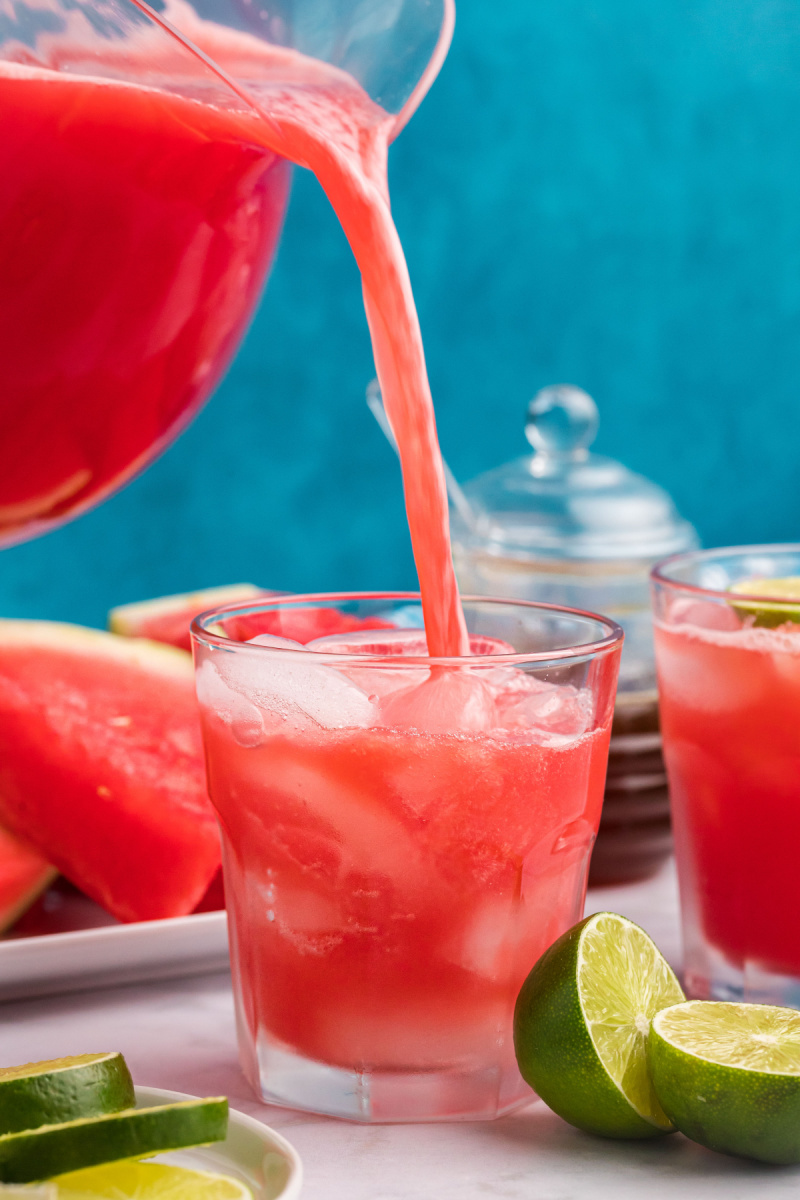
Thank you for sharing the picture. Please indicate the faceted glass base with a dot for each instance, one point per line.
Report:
(373, 1096)
(708, 975)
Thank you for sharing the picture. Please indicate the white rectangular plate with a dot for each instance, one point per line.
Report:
(113, 954)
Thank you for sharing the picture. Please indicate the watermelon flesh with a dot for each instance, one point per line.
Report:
(214, 899)
(102, 766)
(167, 618)
(24, 875)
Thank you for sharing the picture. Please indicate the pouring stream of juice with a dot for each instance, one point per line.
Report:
(320, 118)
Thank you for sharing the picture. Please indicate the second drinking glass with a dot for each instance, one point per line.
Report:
(728, 658)
(403, 837)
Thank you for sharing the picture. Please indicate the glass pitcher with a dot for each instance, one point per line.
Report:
(140, 207)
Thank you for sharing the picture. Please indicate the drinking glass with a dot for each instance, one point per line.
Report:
(402, 837)
(729, 683)
(140, 211)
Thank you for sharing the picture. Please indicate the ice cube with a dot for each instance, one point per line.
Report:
(295, 689)
(229, 705)
(377, 682)
(362, 821)
(449, 701)
(411, 697)
(703, 614)
(786, 657)
(524, 702)
(381, 642)
(481, 944)
(311, 921)
(399, 641)
(272, 639)
(711, 671)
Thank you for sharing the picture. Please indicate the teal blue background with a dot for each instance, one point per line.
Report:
(603, 192)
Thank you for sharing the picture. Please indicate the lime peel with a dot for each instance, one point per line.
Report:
(728, 1075)
(581, 1022)
(36, 1154)
(63, 1089)
(635, 986)
(758, 593)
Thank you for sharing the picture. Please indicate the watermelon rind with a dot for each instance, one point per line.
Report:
(94, 643)
(24, 898)
(137, 619)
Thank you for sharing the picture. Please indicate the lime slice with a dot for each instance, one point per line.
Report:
(581, 1025)
(147, 1181)
(54, 1149)
(63, 1089)
(729, 1076)
(766, 614)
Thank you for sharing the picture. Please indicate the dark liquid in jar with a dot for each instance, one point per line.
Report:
(635, 836)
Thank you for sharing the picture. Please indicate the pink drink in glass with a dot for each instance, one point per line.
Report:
(730, 713)
(402, 842)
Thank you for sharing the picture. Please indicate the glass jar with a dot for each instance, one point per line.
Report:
(569, 527)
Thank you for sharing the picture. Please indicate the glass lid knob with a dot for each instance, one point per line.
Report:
(562, 422)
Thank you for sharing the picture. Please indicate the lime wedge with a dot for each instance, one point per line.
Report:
(766, 614)
(728, 1075)
(581, 1024)
(147, 1181)
(63, 1089)
(136, 1133)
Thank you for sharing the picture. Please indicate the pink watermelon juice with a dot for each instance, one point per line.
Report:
(136, 230)
(400, 843)
(730, 714)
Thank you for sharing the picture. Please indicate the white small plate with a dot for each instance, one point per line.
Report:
(252, 1153)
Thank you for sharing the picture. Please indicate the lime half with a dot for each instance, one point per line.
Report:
(63, 1089)
(581, 1024)
(782, 591)
(136, 1133)
(728, 1075)
(147, 1181)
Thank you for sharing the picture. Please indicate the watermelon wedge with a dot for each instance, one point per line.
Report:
(167, 618)
(101, 766)
(24, 875)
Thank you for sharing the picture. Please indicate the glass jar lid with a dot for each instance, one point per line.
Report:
(562, 501)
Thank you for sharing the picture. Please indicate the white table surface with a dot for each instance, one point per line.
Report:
(180, 1035)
